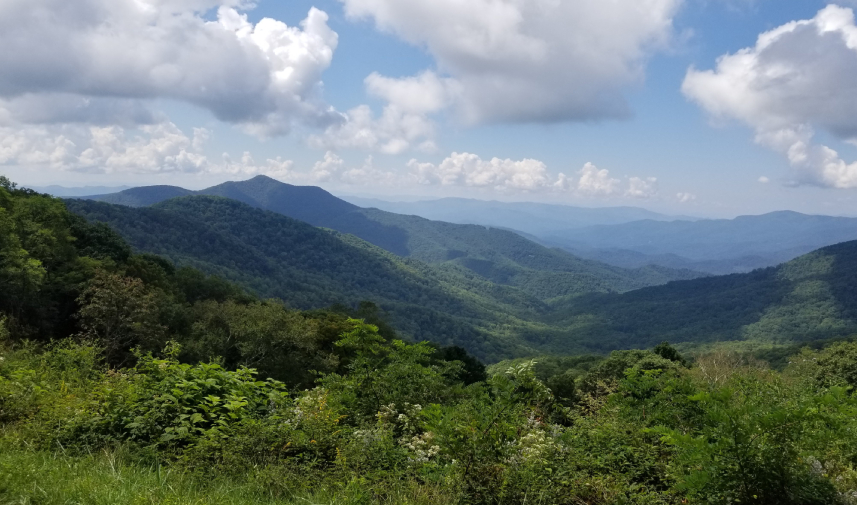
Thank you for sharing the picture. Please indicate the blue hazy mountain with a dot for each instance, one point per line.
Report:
(712, 245)
(632, 237)
(533, 218)
(64, 192)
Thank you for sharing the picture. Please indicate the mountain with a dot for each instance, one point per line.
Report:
(308, 267)
(715, 246)
(64, 192)
(809, 298)
(634, 259)
(531, 218)
(143, 196)
(496, 255)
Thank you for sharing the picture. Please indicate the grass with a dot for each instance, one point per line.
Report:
(33, 477)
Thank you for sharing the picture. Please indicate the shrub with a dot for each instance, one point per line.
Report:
(168, 404)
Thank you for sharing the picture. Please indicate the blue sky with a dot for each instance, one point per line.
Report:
(534, 100)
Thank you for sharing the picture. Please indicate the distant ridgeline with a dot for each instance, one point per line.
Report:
(489, 290)
(496, 255)
(631, 237)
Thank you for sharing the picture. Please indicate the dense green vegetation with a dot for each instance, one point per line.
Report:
(395, 425)
(124, 379)
(61, 277)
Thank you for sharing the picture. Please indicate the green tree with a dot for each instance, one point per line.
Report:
(266, 336)
(121, 314)
(381, 374)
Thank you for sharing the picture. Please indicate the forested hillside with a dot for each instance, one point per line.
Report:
(497, 255)
(807, 299)
(308, 267)
(811, 297)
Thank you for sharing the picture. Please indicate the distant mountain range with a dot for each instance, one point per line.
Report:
(534, 218)
(632, 237)
(491, 290)
(64, 192)
(717, 246)
(496, 255)
(811, 297)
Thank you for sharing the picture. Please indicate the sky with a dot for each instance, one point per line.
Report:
(711, 108)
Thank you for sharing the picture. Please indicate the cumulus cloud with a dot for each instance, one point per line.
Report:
(151, 149)
(325, 169)
(642, 187)
(521, 60)
(685, 197)
(393, 132)
(99, 61)
(368, 174)
(799, 77)
(597, 182)
(526, 175)
(466, 169)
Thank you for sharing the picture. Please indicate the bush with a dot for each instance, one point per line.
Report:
(169, 405)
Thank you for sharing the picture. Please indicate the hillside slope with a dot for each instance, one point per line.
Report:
(811, 297)
(499, 256)
(276, 256)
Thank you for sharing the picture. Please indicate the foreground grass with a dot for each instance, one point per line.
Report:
(31, 477)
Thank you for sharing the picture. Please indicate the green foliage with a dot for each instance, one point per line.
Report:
(394, 426)
(809, 298)
(252, 401)
(619, 364)
(754, 443)
(165, 403)
(120, 313)
(836, 365)
(380, 375)
(279, 343)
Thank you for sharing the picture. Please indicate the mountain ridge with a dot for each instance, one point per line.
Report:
(509, 259)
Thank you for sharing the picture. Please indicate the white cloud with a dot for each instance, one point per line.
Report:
(597, 182)
(642, 188)
(368, 174)
(277, 168)
(423, 94)
(798, 77)
(152, 149)
(466, 169)
(521, 60)
(685, 197)
(394, 132)
(527, 175)
(102, 60)
(764, 180)
(326, 168)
